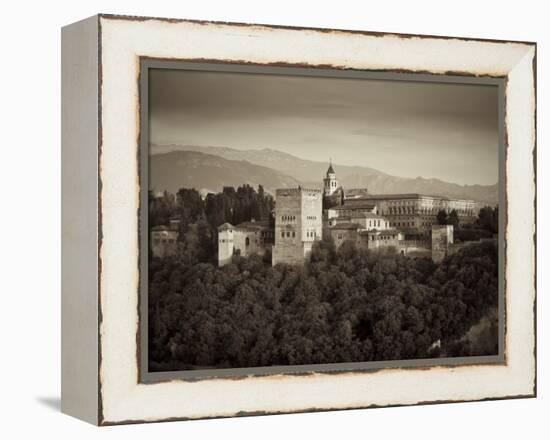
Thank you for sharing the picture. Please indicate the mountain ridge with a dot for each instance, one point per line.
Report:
(286, 169)
(209, 173)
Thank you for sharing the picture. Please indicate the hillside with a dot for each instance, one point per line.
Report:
(208, 173)
(301, 169)
(279, 166)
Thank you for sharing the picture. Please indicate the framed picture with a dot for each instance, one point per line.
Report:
(263, 220)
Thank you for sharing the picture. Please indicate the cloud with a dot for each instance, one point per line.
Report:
(446, 131)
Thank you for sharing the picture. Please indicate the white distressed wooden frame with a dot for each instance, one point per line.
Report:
(100, 136)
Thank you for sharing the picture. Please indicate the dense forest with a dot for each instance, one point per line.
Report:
(345, 305)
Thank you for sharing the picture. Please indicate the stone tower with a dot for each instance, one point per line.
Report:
(330, 182)
(442, 239)
(298, 224)
(225, 243)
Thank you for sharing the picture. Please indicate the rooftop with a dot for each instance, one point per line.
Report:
(160, 228)
(263, 224)
(346, 226)
(364, 205)
(366, 215)
(405, 196)
(281, 191)
(225, 226)
(379, 231)
(354, 193)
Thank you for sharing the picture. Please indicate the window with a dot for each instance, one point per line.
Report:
(282, 235)
(293, 234)
(288, 234)
(247, 242)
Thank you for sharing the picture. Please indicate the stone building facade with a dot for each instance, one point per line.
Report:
(366, 231)
(244, 239)
(163, 241)
(442, 239)
(418, 211)
(298, 224)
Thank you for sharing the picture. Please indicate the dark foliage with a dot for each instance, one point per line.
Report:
(471, 234)
(345, 305)
(161, 209)
(488, 219)
(485, 226)
(442, 217)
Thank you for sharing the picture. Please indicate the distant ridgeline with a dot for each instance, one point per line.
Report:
(285, 228)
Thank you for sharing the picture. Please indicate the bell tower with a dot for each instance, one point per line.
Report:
(330, 182)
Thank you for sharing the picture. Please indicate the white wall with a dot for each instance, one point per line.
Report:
(30, 180)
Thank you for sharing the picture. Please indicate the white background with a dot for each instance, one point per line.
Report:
(30, 217)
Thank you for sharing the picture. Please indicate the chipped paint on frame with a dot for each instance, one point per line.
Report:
(108, 390)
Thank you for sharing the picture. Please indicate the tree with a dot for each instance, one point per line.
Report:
(488, 219)
(190, 207)
(442, 217)
(453, 219)
(161, 209)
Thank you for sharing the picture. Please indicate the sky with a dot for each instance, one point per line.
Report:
(408, 129)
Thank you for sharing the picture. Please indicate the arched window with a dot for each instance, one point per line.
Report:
(247, 242)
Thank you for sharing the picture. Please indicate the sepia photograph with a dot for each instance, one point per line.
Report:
(309, 220)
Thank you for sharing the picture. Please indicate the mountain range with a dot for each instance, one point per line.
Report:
(208, 169)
